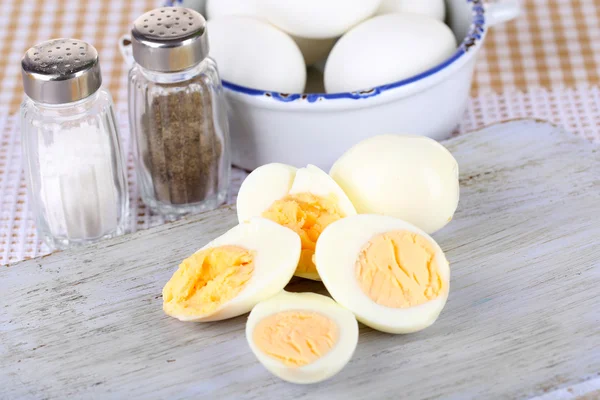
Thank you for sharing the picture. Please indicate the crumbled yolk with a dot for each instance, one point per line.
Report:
(206, 280)
(307, 215)
(296, 338)
(398, 269)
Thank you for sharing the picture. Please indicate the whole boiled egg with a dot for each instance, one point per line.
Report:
(386, 49)
(317, 19)
(306, 200)
(413, 178)
(255, 54)
(302, 337)
(389, 273)
(230, 275)
(313, 50)
(220, 8)
(432, 8)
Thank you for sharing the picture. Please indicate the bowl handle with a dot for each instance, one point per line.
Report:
(502, 11)
(126, 50)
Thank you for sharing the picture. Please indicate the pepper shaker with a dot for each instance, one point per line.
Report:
(73, 162)
(177, 114)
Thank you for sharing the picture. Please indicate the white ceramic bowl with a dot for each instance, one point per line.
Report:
(301, 129)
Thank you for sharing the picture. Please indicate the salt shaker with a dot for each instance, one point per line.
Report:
(71, 146)
(177, 114)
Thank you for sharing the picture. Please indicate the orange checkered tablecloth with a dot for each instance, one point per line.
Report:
(554, 44)
(545, 65)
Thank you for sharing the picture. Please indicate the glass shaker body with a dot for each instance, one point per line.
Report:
(74, 170)
(179, 124)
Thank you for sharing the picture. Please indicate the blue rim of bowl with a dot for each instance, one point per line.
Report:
(475, 34)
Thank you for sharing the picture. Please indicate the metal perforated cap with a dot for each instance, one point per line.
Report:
(61, 71)
(169, 39)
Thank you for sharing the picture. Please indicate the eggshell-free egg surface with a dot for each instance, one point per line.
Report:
(317, 19)
(313, 50)
(302, 337)
(386, 49)
(255, 54)
(390, 274)
(306, 200)
(432, 8)
(220, 8)
(231, 274)
(409, 177)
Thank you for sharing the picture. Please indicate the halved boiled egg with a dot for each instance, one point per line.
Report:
(231, 274)
(393, 276)
(302, 337)
(305, 200)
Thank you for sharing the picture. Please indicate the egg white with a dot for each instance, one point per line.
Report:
(413, 178)
(253, 53)
(385, 49)
(313, 50)
(323, 368)
(272, 182)
(338, 250)
(219, 8)
(432, 8)
(313, 180)
(317, 19)
(276, 253)
(264, 186)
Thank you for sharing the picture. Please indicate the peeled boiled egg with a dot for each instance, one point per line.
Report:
(386, 49)
(302, 337)
(220, 8)
(306, 200)
(257, 55)
(231, 274)
(389, 273)
(317, 19)
(313, 50)
(409, 177)
(432, 8)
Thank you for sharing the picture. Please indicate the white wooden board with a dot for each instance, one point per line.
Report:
(523, 316)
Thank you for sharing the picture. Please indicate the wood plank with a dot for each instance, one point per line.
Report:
(523, 316)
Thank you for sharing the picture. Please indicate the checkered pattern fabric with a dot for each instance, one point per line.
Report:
(97, 22)
(554, 44)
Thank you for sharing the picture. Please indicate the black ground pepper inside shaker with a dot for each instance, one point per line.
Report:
(177, 114)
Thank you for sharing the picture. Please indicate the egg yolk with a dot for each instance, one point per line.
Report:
(296, 338)
(398, 269)
(307, 215)
(206, 280)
